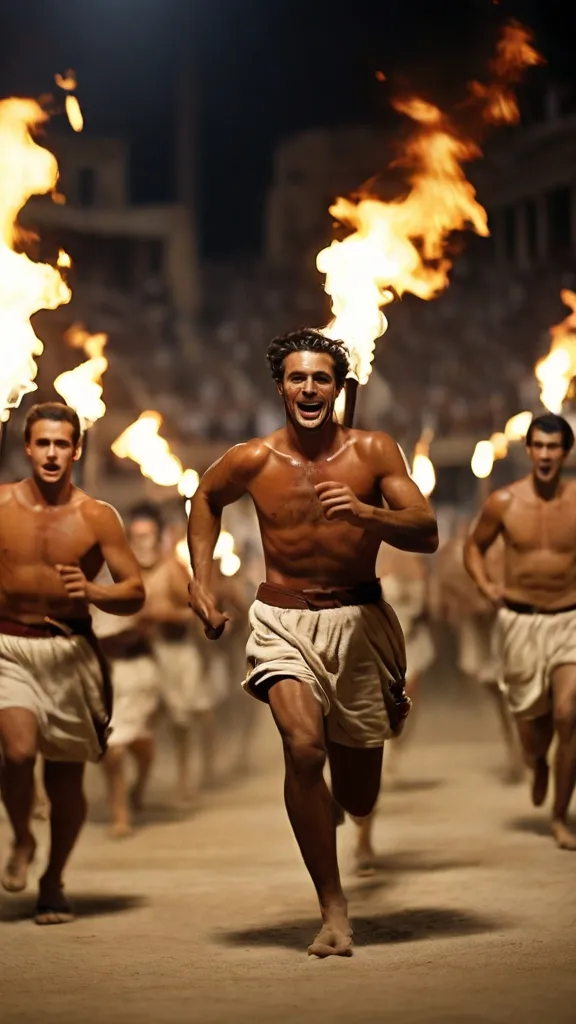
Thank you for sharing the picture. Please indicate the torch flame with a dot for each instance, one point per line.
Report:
(482, 460)
(188, 484)
(81, 388)
(26, 169)
(517, 426)
(514, 53)
(423, 472)
(141, 443)
(74, 113)
(400, 246)
(555, 372)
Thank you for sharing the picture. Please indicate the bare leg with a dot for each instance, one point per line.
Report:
(182, 742)
(515, 767)
(564, 684)
(40, 810)
(64, 786)
(113, 765)
(143, 752)
(298, 716)
(19, 744)
(206, 730)
(356, 777)
(536, 736)
(398, 743)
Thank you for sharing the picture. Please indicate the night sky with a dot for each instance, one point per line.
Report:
(261, 70)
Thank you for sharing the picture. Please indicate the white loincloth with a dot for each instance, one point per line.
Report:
(60, 680)
(191, 681)
(478, 649)
(136, 698)
(408, 598)
(348, 656)
(532, 646)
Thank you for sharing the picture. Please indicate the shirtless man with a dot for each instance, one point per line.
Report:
(325, 651)
(536, 517)
(54, 694)
(459, 603)
(184, 687)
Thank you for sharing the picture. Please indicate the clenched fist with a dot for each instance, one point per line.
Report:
(340, 503)
(75, 582)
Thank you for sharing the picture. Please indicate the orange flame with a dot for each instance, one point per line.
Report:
(142, 443)
(514, 53)
(26, 169)
(74, 113)
(423, 472)
(555, 372)
(81, 388)
(400, 246)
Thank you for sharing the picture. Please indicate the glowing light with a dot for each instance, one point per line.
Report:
(141, 443)
(423, 473)
(81, 388)
(482, 460)
(517, 426)
(74, 113)
(188, 483)
(555, 372)
(26, 169)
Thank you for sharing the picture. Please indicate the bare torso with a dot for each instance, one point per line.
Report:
(540, 541)
(34, 539)
(301, 547)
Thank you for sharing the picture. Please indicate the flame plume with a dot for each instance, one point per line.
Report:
(142, 443)
(555, 372)
(81, 388)
(26, 169)
(401, 246)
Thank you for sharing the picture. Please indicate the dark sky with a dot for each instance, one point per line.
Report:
(261, 70)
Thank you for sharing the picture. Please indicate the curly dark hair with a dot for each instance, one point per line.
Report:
(307, 339)
(550, 423)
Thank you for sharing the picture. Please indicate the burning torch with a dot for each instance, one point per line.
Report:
(81, 388)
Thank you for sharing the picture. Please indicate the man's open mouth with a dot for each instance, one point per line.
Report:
(50, 468)
(310, 408)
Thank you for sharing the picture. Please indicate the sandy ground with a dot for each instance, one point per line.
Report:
(472, 917)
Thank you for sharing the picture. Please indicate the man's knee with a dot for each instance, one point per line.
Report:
(306, 754)
(18, 749)
(565, 720)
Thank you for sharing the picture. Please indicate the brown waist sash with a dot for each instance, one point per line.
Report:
(70, 628)
(316, 599)
(124, 646)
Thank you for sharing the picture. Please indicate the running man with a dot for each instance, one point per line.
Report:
(325, 651)
(55, 696)
(536, 518)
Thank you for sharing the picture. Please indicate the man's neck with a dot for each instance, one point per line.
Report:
(49, 495)
(547, 490)
(314, 444)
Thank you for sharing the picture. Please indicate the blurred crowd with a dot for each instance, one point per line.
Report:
(462, 363)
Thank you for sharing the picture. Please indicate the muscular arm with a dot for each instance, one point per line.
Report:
(484, 533)
(408, 523)
(224, 483)
(125, 596)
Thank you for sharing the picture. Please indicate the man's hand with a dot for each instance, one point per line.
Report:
(340, 503)
(75, 582)
(202, 604)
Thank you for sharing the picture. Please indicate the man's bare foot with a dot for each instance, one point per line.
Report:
(366, 862)
(540, 781)
(52, 906)
(15, 874)
(565, 838)
(335, 935)
(120, 830)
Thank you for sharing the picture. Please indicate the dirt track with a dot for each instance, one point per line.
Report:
(472, 919)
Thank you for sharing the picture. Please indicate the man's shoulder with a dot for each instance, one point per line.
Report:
(379, 447)
(95, 510)
(249, 457)
(7, 493)
(500, 501)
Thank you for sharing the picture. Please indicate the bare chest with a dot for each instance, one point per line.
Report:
(44, 537)
(285, 494)
(542, 526)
